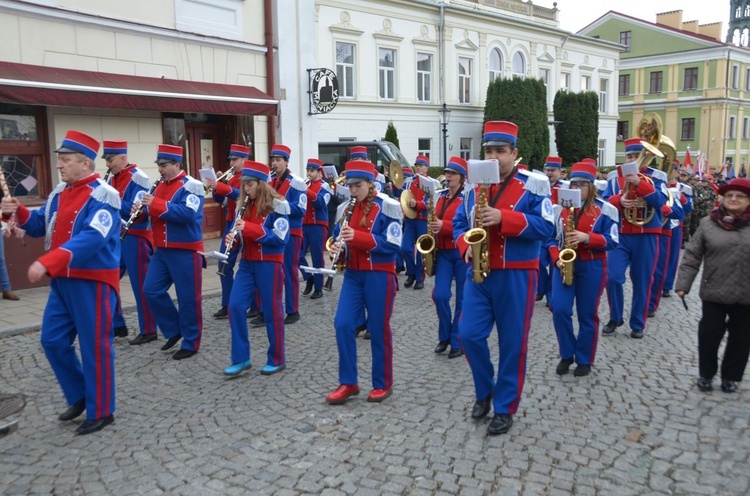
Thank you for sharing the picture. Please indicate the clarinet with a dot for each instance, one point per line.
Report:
(237, 215)
(339, 267)
(138, 210)
(106, 176)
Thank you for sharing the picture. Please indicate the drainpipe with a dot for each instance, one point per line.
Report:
(270, 74)
(441, 42)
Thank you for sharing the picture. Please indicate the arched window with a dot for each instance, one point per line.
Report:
(519, 65)
(496, 64)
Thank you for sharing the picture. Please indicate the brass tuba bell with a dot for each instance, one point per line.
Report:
(649, 130)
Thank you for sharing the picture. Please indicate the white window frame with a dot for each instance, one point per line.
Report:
(585, 82)
(386, 88)
(424, 151)
(425, 79)
(342, 69)
(521, 74)
(464, 81)
(464, 150)
(495, 73)
(565, 81)
(732, 127)
(603, 90)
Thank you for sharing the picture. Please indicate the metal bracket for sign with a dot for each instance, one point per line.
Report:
(323, 90)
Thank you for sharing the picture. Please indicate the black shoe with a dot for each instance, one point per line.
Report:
(441, 346)
(636, 334)
(582, 370)
(90, 426)
(705, 384)
(610, 327)
(651, 313)
(539, 297)
(481, 408)
(359, 329)
(252, 313)
(308, 287)
(367, 335)
(171, 342)
(728, 386)
(666, 294)
(143, 339)
(501, 423)
(455, 353)
(564, 366)
(258, 321)
(409, 281)
(291, 318)
(222, 313)
(316, 294)
(328, 286)
(419, 285)
(400, 270)
(73, 411)
(183, 353)
(121, 332)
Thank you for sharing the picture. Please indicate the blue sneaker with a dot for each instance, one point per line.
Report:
(236, 368)
(272, 369)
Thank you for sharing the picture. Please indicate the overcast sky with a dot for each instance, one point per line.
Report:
(576, 14)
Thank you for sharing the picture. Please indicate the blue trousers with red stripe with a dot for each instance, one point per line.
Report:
(660, 272)
(545, 274)
(589, 281)
(267, 278)
(291, 274)
(375, 291)
(674, 258)
(505, 299)
(227, 280)
(83, 308)
(135, 256)
(639, 252)
(184, 269)
(450, 266)
(413, 229)
(313, 238)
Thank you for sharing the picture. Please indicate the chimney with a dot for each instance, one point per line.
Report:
(691, 26)
(712, 30)
(673, 19)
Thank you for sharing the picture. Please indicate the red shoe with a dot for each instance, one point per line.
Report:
(341, 394)
(378, 395)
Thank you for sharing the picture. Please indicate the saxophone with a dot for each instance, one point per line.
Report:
(477, 239)
(427, 243)
(568, 254)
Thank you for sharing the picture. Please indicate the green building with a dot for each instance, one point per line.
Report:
(686, 74)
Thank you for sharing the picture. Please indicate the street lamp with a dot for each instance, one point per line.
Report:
(445, 117)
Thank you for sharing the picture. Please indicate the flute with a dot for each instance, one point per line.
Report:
(238, 215)
(138, 210)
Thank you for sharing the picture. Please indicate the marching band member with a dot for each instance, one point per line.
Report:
(293, 189)
(414, 228)
(517, 218)
(228, 192)
(176, 211)
(638, 247)
(595, 231)
(676, 245)
(450, 265)
(396, 192)
(373, 237)
(673, 216)
(138, 244)
(553, 169)
(315, 226)
(80, 222)
(264, 229)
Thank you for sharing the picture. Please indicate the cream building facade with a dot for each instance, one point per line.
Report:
(393, 65)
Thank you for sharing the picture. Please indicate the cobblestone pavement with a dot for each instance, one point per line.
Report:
(637, 425)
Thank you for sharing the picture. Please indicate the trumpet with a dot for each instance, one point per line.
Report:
(237, 215)
(427, 244)
(337, 265)
(138, 210)
(477, 240)
(225, 176)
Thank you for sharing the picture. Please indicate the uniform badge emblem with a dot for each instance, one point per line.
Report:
(281, 227)
(192, 202)
(102, 222)
(394, 233)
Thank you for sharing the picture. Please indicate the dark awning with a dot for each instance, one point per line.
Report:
(37, 85)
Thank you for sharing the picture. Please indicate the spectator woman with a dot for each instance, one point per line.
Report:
(720, 243)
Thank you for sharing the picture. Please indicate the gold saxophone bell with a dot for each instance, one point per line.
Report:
(406, 197)
(475, 238)
(329, 243)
